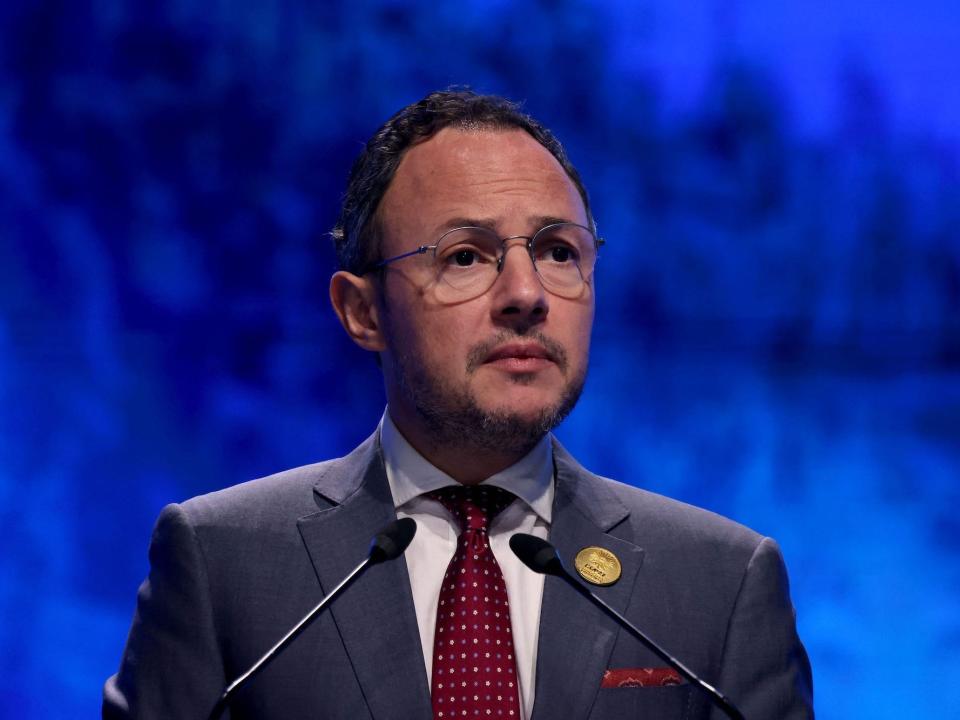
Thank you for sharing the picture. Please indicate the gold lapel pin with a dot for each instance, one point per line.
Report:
(597, 565)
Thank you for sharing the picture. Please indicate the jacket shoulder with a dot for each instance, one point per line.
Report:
(641, 516)
(290, 493)
(655, 514)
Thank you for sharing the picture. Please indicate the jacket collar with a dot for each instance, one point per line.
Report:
(575, 641)
(576, 638)
(375, 617)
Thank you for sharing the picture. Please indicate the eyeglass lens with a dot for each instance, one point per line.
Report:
(468, 259)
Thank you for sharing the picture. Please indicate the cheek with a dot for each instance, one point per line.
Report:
(444, 342)
(580, 324)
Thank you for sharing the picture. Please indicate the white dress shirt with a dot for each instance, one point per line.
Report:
(531, 479)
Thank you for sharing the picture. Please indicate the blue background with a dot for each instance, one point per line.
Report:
(778, 333)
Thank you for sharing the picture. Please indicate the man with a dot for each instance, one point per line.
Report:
(467, 251)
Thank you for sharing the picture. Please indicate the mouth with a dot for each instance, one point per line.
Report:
(520, 357)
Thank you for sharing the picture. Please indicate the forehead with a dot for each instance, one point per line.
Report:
(504, 177)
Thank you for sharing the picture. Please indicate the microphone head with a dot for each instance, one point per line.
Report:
(390, 542)
(537, 554)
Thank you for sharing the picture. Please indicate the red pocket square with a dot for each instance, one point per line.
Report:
(640, 677)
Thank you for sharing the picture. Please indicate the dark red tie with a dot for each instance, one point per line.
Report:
(474, 669)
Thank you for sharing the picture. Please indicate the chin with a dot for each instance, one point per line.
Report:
(547, 387)
(522, 411)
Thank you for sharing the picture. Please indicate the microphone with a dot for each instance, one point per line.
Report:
(541, 557)
(388, 544)
(391, 542)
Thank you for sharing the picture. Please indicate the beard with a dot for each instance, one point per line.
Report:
(453, 416)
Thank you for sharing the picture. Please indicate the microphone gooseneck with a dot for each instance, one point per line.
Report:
(541, 557)
(388, 544)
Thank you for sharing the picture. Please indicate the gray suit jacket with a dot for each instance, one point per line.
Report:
(232, 571)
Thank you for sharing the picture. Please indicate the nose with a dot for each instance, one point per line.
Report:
(519, 298)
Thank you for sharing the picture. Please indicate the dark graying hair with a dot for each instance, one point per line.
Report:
(357, 234)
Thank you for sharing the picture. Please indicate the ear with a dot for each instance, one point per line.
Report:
(354, 299)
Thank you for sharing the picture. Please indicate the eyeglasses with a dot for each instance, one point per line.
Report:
(468, 260)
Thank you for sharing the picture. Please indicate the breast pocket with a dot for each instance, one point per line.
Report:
(643, 703)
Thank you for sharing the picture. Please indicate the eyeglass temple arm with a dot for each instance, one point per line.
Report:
(419, 251)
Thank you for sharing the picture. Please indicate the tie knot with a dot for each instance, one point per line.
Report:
(473, 506)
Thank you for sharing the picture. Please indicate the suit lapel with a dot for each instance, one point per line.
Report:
(375, 616)
(576, 638)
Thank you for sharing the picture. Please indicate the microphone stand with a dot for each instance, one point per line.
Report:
(390, 543)
(541, 557)
(719, 699)
(283, 642)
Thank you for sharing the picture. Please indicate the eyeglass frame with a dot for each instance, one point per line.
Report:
(598, 242)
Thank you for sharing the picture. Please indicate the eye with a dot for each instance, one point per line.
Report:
(466, 251)
(558, 252)
(463, 258)
(463, 250)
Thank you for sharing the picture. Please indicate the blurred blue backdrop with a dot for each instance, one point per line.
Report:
(778, 333)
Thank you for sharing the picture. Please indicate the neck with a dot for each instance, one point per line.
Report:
(469, 463)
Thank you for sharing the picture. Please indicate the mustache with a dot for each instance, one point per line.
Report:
(479, 352)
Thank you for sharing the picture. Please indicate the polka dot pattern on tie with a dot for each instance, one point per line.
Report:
(474, 670)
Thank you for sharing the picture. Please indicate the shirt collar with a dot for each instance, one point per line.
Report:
(411, 475)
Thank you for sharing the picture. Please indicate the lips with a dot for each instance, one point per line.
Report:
(519, 352)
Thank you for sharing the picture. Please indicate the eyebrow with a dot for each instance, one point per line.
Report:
(539, 221)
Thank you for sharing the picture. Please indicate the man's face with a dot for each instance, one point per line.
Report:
(502, 368)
